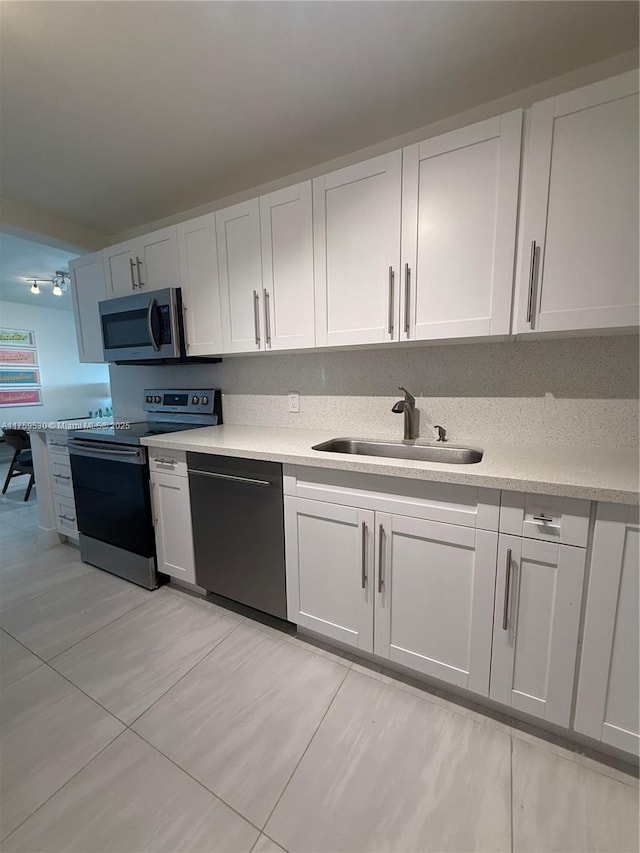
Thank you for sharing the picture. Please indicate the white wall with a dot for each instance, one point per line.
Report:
(576, 392)
(69, 389)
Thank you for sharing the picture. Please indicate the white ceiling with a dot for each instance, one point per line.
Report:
(21, 259)
(119, 113)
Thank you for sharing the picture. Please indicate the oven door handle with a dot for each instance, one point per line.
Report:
(90, 449)
(150, 309)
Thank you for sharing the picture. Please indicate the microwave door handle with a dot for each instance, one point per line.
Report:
(150, 309)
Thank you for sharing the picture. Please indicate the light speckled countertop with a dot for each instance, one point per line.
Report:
(592, 474)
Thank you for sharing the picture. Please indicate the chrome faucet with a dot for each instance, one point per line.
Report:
(408, 408)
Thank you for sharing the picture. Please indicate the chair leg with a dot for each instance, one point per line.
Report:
(29, 487)
(10, 474)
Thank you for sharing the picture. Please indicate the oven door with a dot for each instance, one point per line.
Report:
(142, 326)
(111, 490)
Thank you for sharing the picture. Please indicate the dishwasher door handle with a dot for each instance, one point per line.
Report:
(248, 480)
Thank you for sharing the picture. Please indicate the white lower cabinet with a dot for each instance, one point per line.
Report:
(607, 703)
(434, 598)
(535, 626)
(330, 570)
(427, 586)
(172, 522)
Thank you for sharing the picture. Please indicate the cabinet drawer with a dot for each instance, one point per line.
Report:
(546, 517)
(57, 443)
(61, 476)
(65, 516)
(168, 461)
(468, 506)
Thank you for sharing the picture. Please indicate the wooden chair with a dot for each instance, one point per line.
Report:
(22, 462)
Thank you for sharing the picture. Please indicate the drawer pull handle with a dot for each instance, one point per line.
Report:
(166, 461)
(64, 517)
(62, 476)
(507, 590)
(542, 518)
(364, 554)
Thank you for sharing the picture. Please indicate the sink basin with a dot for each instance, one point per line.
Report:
(399, 450)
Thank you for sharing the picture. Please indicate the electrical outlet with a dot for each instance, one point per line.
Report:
(294, 402)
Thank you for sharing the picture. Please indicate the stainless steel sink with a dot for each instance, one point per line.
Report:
(400, 450)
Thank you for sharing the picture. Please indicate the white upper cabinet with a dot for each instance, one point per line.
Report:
(286, 222)
(143, 263)
(578, 261)
(535, 629)
(607, 704)
(198, 256)
(356, 215)
(240, 266)
(459, 213)
(88, 287)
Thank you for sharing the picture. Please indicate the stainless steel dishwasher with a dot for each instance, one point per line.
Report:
(237, 515)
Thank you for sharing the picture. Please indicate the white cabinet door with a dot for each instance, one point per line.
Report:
(88, 287)
(157, 259)
(535, 627)
(607, 706)
(198, 256)
(240, 265)
(356, 216)
(459, 212)
(330, 568)
(121, 269)
(434, 598)
(286, 222)
(172, 521)
(578, 261)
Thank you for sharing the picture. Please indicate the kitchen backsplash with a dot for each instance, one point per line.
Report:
(580, 391)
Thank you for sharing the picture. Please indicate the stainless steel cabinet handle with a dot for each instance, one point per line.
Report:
(131, 269)
(165, 461)
(542, 518)
(232, 477)
(364, 554)
(139, 265)
(256, 318)
(380, 557)
(391, 288)
(57, 444)
(532, 278)
(407, 299)
(507, 589)
(66, 518)
(267, 320)
(61, 477)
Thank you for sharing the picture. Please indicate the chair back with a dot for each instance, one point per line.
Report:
(17, 438)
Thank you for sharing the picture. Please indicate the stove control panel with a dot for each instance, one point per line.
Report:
(182, 401)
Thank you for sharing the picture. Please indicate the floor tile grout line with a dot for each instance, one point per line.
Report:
(47, 591)
(68, 648)
(184, 675)
(64, 784)
(306, 749)
(195, 779)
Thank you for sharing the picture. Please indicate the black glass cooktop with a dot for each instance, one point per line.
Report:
(130, 432)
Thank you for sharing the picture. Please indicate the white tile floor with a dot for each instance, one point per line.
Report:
(132, 721)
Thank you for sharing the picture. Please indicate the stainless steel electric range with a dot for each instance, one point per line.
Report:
(110, 473)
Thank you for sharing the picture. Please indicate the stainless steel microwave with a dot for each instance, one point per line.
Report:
(143, 326)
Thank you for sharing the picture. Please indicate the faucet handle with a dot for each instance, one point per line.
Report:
(442, 433)
(408, 395)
